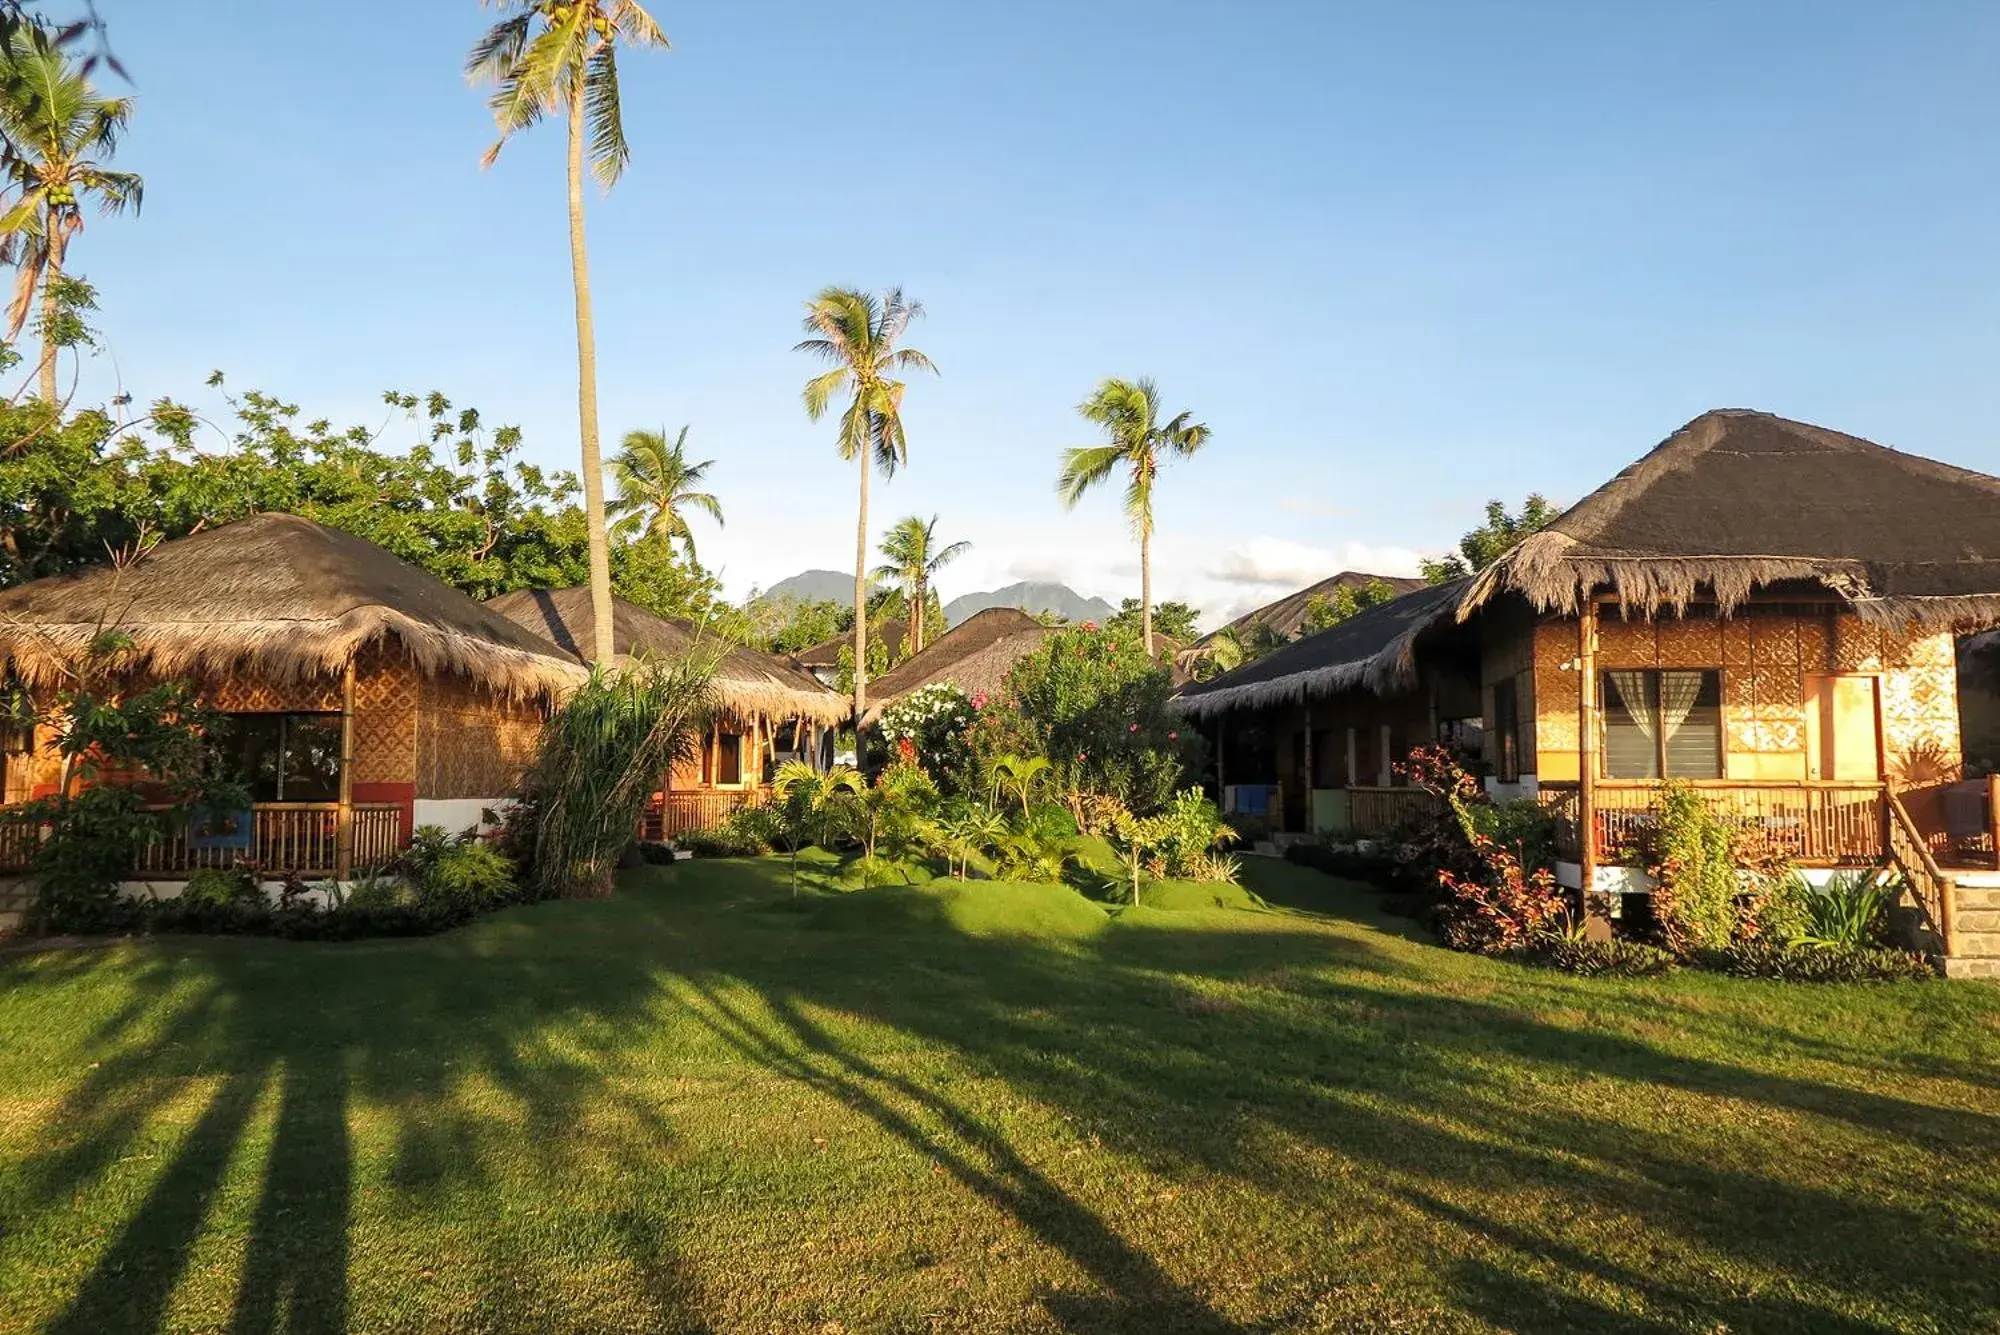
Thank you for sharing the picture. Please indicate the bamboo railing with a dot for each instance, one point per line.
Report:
(1378, 811)
(672, 814)
(1817, 824)
(284, 837)
(1932, 892)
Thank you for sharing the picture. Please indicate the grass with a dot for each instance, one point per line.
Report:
(706, 1106)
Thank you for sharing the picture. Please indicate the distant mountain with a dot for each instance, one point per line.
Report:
(1033, 596)
(815, 586)
(1287, 616)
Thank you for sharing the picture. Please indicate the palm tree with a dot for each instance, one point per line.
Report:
(857, 333)
(654, 481)
(806, 800)
(545, 57)
(56, 132)
(914, 557)
(1129, 412)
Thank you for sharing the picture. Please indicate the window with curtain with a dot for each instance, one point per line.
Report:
(1506, 731)
(288, 757)
(1661, 724)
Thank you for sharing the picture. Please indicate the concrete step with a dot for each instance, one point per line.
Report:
(1959, 966)
(1978, 897)
(1977, 920)
(1977, 945)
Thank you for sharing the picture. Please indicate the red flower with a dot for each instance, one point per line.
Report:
(1090, 625)
(1133, 728)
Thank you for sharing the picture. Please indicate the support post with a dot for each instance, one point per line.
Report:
(1993, 815)
(1586, 742)
(1221, 748)
(343, 820)
(1310, 778)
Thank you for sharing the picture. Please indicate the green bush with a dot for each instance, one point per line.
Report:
(469, 874)
(213, 886)
(1777, 910)
(1522, 826)
(1850, 910)
(1692, 858)
(1825, 964)
(374, 892)
(724, 841)
(1616, 958)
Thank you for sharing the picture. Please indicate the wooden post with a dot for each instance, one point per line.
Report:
(343, 826)
(1221, 745)
(1993, 814)
(1586, 742)
(1309, 776)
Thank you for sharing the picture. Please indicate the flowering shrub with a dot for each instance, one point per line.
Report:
(1492, 903)
(928, 727)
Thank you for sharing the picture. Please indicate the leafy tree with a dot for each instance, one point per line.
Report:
(1129, 413)
(914, 558)
(561, 56)
(807, 802)
(58, 132)
(788, 624)
(1175, 620)
(1330, 609)
(1484, 545)
(857, 333)
(655, 485)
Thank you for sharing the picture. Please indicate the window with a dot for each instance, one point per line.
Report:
(728, 759)
(288, 757)
(1662, 724)
(1506, 731)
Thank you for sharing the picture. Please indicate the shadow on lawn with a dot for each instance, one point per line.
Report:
(1179, 1048)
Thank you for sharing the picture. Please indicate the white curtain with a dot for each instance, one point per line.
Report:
(1631, 691)
(1678, 693)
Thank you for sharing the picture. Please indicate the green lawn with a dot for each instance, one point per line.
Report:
(706, 1106)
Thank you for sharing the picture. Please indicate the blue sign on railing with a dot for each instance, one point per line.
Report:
(231, 830)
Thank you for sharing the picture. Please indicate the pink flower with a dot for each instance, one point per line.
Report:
(1090, 625)
(979, 700)
(1173, 737)
(1083, 755)
(1133, 728)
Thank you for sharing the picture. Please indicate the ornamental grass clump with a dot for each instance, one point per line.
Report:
(600, 756)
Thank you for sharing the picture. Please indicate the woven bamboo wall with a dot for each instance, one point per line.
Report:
(1508, 652)
(471, 743)
(386, 693)
(1765, 661)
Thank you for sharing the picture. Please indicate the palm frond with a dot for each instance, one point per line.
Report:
(609, 151)
(638, 27)
(1139, 501)
(498, 49)
(909, 359)
(1084, 468)
(820, 390)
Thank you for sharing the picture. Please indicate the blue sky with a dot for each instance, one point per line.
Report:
(1401, 257)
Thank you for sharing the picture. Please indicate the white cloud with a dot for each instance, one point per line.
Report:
(1280, 562)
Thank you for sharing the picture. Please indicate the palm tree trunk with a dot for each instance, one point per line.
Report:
(913, 637)
(51, 276)
(1146, 592)
(861, 601)
(586, 398)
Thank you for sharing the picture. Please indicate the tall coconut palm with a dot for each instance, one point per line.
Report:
(655, 485)
(857, 332)
(1129, 412)
(914, 558)
(561, 56)
(55, 133)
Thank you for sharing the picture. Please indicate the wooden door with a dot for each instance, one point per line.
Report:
(1843, 728)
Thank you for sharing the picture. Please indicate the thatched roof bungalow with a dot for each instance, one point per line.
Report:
(369, 695)
(1286, 616)
(976, 655)
(767, 710)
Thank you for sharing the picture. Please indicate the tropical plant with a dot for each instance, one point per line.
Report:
(1129, 412)
(1691, 856)
(914, 558)
(1330, 609)
(1193, 828)
(968, 828)
(655, 485)
(1177, 621)
(857, 333)
(57, 133)
(1848, 911)
(561, 56)
(600, 756)
(815, 792)
(1136, 839)
(1016, 778)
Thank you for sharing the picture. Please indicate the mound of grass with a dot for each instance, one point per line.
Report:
(975, 908)
(1181, 896)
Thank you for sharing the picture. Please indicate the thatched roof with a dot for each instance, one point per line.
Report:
(1372, 650)
(976, 655)
(1287, 615)
(277, 597)
(747, 683)
(826, 654)
(1737, 499)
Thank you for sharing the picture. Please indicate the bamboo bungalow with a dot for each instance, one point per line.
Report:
(367, 696)
(1760, 607)
(767, 710)
(975, 655)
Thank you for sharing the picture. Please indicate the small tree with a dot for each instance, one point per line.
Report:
(1484, 545)
(1136, 838)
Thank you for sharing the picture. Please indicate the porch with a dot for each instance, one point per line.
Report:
(281, 838)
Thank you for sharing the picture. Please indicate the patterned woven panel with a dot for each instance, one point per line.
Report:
(1736, 644)
(1857, 646)
(385, 721)
(244, 695)
(1689, 644)
(1920, 722)
(471, 744)
(1626, 644)
(1557, 696)
(1775, 643)
(1815, 646)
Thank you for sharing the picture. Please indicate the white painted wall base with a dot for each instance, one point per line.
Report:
(1635, 881)
(1528, 785)
(458, 814)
